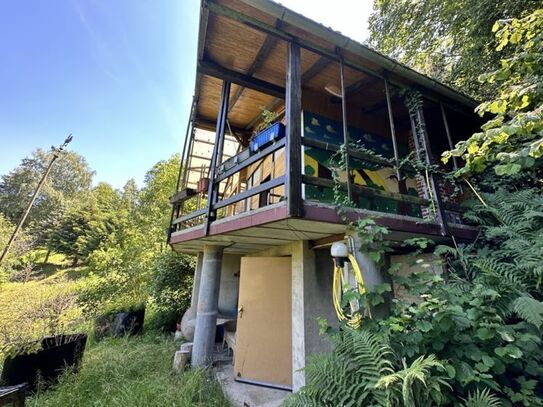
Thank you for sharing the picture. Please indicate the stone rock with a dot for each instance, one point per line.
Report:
(180, 360)
(188, 323)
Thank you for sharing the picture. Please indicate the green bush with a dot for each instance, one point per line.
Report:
(161, 321)
(171, 283)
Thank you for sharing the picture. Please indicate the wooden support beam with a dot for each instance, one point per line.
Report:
(293, 150)
(326, 241)
(375, 107)
(202, 31)
(182, 195)
(361, 84)
(263, 53)
(314, 69)
(206, 124)
(210, 68)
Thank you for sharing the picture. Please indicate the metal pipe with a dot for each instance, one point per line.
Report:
(447, 131)
(345, 129)
(393, 132)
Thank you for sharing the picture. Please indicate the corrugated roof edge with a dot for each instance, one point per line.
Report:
(285, 14)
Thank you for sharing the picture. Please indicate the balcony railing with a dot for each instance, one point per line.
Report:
(248, 182)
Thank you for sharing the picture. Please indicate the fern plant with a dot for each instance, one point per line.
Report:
(347, 376)
(482, 398)
(360, 372)
(416, 385)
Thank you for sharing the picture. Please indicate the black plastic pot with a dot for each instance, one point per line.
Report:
(120, 324)
(57, 353)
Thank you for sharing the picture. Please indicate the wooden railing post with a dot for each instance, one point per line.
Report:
(213, 189)
(293, 149)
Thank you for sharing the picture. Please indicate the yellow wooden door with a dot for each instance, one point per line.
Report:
(264, 335)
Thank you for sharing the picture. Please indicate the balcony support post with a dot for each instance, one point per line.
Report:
(293, 149)
(207, 307)
(216, 158)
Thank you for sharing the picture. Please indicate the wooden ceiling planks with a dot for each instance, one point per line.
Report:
(232, 44)
(256, 54)
(249, 105)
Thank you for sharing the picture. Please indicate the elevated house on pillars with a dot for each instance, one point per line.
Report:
(276, 97)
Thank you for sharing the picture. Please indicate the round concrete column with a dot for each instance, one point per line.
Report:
(208, 300)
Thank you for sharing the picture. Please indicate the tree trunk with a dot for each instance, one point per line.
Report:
(47, 255)
(74, 262)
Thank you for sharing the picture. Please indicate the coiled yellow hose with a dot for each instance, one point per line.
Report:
(354, 320)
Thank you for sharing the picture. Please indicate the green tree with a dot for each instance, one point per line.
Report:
(449, 40)
(69, 182)
(87, 226)
(511, 143)
(155, 207)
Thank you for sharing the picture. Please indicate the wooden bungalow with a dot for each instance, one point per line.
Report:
(276, 97)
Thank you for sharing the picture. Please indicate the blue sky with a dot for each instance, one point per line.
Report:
(118, 74)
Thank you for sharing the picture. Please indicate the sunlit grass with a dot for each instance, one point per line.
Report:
(132, 372)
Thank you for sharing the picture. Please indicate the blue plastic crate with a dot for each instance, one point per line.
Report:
(265, 137)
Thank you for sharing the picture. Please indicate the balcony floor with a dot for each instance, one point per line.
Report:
(262, 228)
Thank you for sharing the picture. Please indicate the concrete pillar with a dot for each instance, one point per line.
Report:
(208, 300)
(196, 280)
(303, 265)
(312, 281)
(372, 273)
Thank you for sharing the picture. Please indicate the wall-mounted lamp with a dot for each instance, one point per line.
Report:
(333, 90)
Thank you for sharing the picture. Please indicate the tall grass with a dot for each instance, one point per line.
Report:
(131, 372)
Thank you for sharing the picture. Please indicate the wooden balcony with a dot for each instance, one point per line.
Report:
(328, 92)
(252, 211)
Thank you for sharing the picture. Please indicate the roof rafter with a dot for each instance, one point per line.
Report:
(269, 43)
(309, 74)
(208, 67)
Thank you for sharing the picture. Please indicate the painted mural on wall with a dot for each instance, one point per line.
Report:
(318, 163)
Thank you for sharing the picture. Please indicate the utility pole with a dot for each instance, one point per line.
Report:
(56, 153)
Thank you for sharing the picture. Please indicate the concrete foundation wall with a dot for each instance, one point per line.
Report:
(319, 302)
(229, 286)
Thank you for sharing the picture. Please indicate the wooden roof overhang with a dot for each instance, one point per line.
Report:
(245, 42)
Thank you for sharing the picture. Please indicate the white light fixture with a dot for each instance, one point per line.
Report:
(333, 90)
